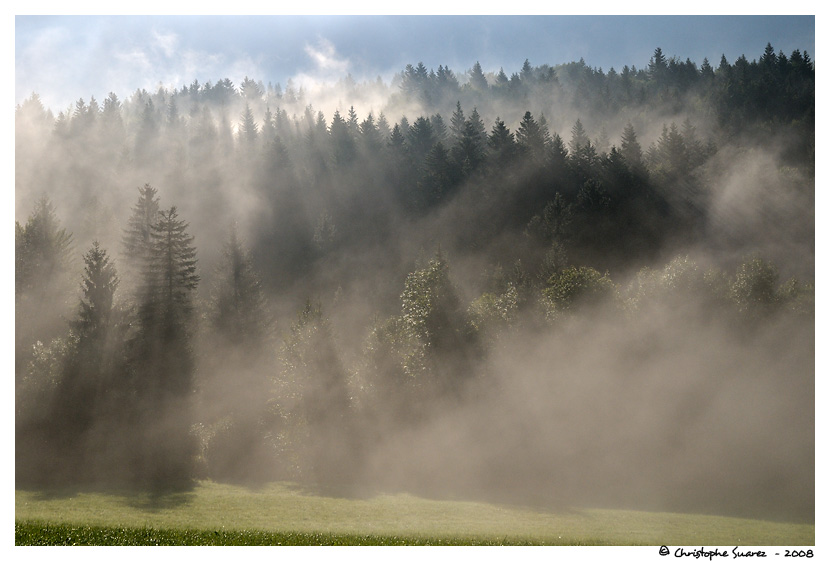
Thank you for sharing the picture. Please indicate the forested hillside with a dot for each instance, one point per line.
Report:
(562, 286)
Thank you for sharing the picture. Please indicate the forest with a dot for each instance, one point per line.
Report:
(566, 286)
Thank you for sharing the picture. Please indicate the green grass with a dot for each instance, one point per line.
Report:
(215, 514)
(38, 533)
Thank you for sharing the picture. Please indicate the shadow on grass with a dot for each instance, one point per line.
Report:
(151, 500)
(160, 500)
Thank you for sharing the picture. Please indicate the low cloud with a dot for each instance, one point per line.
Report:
(325, 57)
(167, 42)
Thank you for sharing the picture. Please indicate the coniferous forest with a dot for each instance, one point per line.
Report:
(549, 285)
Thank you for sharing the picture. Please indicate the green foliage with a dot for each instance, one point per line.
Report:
(169, 277)
(681, 286)
(42, 377)
(573, 287)
(431, 312)
(530, 139)
(554, 224)
(313, 388)
(423, 353)
(99, 284)
(493, 313)
(798, 297)
(755, 286)
(162, 361)
(41, 249)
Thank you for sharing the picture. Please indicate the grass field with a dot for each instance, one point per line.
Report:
(215, 514)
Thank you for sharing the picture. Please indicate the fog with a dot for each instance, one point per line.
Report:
(396, 343)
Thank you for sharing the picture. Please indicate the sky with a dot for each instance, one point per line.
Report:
(64, 58)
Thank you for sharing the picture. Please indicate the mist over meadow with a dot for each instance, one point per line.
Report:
(550, 286)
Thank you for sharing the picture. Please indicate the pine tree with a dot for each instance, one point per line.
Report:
(396, 140)
(502, 143)
(502, 82)
(630, 148)
(99, 284)
(237, 302)
(170, 277)
(137, 238)
(457, 124)
(248, 129)
(164, 363)
(530, 139)
(41, 248)
(92, 396)
(673, 154)
(579, 138)
(420, 139)
(469, 153)
(477, 80)
(352, 123)
(383, 128)
(439, 128)
(269, 130)
(526, 73)
(370, 135)
(658, 66)
(438, 178)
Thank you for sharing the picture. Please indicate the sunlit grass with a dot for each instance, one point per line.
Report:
(279, 513)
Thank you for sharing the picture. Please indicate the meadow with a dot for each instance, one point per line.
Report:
(285, 514)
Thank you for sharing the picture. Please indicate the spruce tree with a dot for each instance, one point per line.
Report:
(457, 124)
(170, 277)
(41, 248)
(163, 363)
(237, 302)
(530, 139)
(99, 284)
(248, 129)
(137, 238)
(630, 149)
(502, 143)
(477, 80)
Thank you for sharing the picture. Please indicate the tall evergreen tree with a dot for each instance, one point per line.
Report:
(502, 143)
(164, 362)
(137, 238)
(658, 66)
(94, 397)
(99, 284)
(420, 139)
(237, 300)
(630, 148)
(42, 248)
(477, 80)
(248, 128)
(579, 138)
(529, 138)
(457, 124)
(41, 273)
